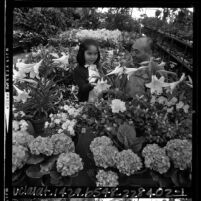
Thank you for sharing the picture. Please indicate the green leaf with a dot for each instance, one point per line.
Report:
(126, 135)
(174, 177)
(33, 159)
(34, 172)
(48, 164)
(30, 128)
(137, 145)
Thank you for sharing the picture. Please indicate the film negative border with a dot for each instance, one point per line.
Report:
(67, 191)
(80, 192)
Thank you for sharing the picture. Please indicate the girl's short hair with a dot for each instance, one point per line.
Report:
(83, 47)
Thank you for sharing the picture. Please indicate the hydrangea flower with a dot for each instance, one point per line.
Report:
(107, 179)
(69, 163)
(62, 143)
(104, 156)
(22, 138)
(23, 125)
(118, 106)
(156, 158)
(128, 162)
(180, 152)
(19, 156)
(100, 141)
(20, 125)
(41, 145)
(16, 125)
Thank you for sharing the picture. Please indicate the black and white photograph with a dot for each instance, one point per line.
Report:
(102, 97)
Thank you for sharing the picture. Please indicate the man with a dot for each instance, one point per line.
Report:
(141, 51)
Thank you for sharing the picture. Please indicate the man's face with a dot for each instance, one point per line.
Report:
(140, 50)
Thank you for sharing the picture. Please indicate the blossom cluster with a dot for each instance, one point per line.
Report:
(41, 145)
(170, 103)
(118, 106)
(22, 138)
(19, 156)
(104, 156)
(62, 143)
(128, 162)
(180, 153)
(103, 151)
(156, 158)
(100, 141)
(20, 125)
(69, 164)
(107, 179)
(72, 111)
(61, 121)
(100, 35)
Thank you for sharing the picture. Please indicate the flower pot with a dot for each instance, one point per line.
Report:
(38, 127)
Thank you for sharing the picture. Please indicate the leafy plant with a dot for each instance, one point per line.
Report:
(45, 98)
(127, 136)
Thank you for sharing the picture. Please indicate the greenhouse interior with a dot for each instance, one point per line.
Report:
(102, 97)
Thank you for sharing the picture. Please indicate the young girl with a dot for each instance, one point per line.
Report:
(86, 74)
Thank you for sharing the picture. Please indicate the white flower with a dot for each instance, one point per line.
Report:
(179, 105)
(185, 108)
(162, 100)
(169, 110)
(173, 85)
(156, 85)
(16, 125)
(46, 124)
(22, 95)
(62, 60)
(66, 107)
(36, 68)
(60, 131)
(57, 121)
(64, 126)
(117, 106)
(23, 125)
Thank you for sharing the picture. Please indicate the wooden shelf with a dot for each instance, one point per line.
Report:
(171, 37)
(178, 60)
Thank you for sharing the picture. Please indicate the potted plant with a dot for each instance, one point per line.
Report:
(44, 99)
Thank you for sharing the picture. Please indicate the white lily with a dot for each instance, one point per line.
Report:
(123, 70)
(190, 82)
(102, 85)
(18, 74)
(130, 71)
(55, 55)
(145, 63)
(173, 85)
(24, 67)
(156, 85)
(36, 68)
(22, 95)
(118, 70)
(63, 59)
